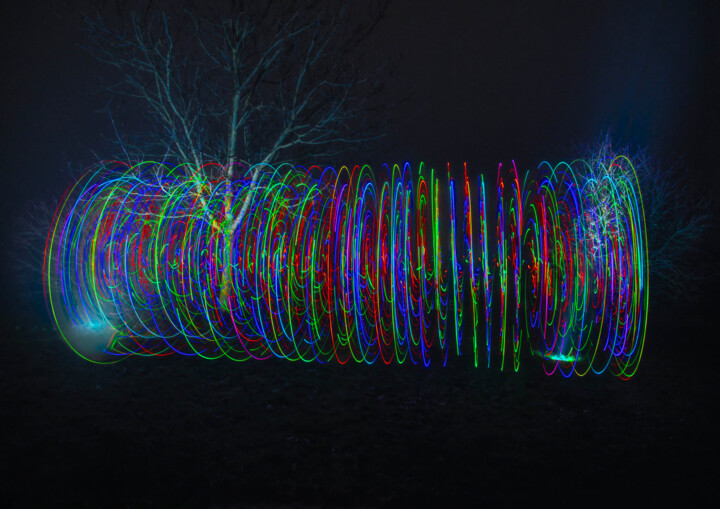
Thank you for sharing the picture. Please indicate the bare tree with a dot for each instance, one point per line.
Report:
(676, 215)
(31, 229)
(240, 84)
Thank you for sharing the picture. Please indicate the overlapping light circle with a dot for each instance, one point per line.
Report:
(354, 265)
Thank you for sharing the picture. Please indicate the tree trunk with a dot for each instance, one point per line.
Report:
(226, 285)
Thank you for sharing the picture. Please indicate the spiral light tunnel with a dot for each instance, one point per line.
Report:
(354, 265)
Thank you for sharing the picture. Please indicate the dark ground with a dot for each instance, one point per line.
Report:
(173, 432)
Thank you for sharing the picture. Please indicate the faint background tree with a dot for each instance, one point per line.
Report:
(677, 215)
(31, 229)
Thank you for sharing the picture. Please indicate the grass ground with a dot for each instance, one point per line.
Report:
(175, 432)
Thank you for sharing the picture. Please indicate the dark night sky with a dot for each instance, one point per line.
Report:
(487, 82)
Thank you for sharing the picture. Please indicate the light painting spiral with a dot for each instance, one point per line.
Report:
(356, 265)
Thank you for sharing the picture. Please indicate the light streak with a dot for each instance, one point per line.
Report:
(354, 265)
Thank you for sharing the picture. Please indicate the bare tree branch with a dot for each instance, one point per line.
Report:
(240, 83)
(677, 217)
